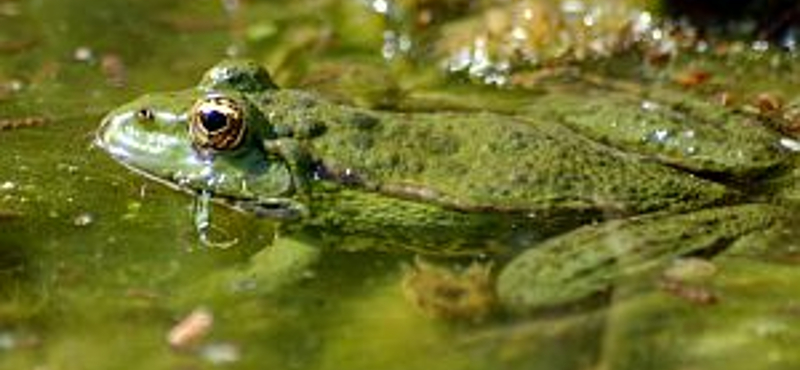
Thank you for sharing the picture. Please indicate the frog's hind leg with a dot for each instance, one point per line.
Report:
(593, 258)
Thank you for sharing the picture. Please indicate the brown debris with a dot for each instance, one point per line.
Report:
(22, 122)
(7, 215)
(688, 279)
(692, 78)
(768, 103)
(443, 293)
(191, 329)
(16, 46)
(113, 68)
(725, 99)
(692, 293)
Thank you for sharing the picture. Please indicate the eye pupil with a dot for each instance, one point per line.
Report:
(213, 120)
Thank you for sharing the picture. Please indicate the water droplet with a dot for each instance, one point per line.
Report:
(790, 144)
(244, 285)
(8, 185)
(460, 60)
(657, 34)
(760, 45)
(649, 105)
(701, 46)
(380, 6)
(572, 6)
(220, 353)
(660, 135)
(7, 341)
(519, 34)
(789, 40)
(202, 219)
(83, 54)
(770, 328)
(589, 20)
(642, 23)
(231, 6)
(202, 222)
(83, 219)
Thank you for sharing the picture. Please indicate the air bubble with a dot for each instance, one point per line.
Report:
(660, 135)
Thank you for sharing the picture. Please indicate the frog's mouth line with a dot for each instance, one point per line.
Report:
(273, 208)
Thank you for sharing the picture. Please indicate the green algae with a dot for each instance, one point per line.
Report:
(100, 264)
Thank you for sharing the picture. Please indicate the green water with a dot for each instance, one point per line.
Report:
(98, 264)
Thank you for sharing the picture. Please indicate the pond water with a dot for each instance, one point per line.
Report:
(99, 265)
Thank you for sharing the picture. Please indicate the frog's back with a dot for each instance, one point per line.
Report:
(486, 161)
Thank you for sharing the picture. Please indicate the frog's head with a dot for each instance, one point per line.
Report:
(207, 139)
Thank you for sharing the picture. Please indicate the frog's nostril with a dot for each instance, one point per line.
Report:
(145, 114)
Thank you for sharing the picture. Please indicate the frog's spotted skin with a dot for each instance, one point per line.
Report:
(439, 182)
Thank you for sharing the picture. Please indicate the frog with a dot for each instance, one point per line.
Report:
(564, 207)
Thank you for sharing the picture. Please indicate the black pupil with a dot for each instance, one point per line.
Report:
(213, 120)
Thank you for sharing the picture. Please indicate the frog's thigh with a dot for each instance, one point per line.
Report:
(590, 259)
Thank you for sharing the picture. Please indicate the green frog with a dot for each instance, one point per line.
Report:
(575, 191)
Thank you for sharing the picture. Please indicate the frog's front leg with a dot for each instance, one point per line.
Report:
(297, 158)
(275, 269)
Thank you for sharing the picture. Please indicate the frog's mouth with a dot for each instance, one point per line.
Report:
(284, 209)
(273, 208)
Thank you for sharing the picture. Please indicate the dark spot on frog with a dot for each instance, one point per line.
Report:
(512, 142)
(518, 179)
(440, 144)
(265, 100)
(309, 128)
(305, 102)
(362, 141)
(283, 131)
(346, 176)
(305, 129)
(517, 141)
(363, 121)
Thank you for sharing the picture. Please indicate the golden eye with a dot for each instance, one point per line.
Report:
(217, 123)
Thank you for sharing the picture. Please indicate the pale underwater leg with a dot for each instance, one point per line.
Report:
(275, 268)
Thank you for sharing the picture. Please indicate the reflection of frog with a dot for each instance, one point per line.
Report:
(457, 183)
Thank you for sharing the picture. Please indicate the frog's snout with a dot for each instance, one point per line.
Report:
(99, 134)
(107, 136)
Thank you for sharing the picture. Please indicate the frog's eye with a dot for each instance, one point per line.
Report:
(217, 123)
